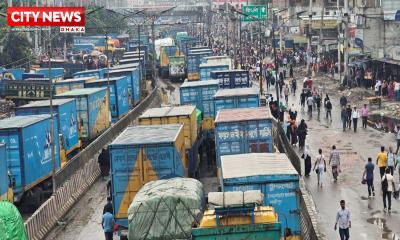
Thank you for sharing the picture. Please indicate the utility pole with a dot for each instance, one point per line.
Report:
(108, 71)
(321, 35)
(153, 81)
(53, 157)
(309, 38)
(346, 41)
(36, 34)
(240, 42)
(261, 62)
(339, 28)
(275, 61)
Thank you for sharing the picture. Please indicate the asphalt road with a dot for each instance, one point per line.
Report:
(369, 221)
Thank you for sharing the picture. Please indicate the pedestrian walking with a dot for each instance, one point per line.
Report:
(364, 115)
(310, 103)
(303, 96)
(302, 133)
(343, 116)
(343, 220)
(108, 207)
(320, 167)
(381, 161)
(387, 189)
(391, 157)
(334, 161)
(348, 114)
(328, 110)
(307, 161)
(108, 223)
(398, 140)
(355, 116)
(286, 93)
(343, 101)
(291, 71)
(368, 177)
(294, 86)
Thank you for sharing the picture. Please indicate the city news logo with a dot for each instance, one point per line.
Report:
(69, 19)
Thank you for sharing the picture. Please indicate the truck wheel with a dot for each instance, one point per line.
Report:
(37, 196)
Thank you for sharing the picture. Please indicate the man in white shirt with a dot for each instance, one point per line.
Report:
(387, 189)
(355, 115)
(343, 219)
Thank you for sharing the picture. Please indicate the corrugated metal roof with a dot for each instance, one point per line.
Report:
(46, 103)
(236, 92)
(169, 111)
(74, 80)
(256, 164)
(22, 121)
(134, 135)
(82, 91)
(199, 83)
(243, 114)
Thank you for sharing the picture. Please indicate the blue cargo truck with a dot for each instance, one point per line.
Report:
(271, 173)
(236, 98)
(232, 78)
(193, 64)
(56, 73)
(98, 73)
(27, 140)
(15, 72)
(93, 111)
(131, 65)
(206, 69)
(65, 110)
(157, 152)
(200, 94)
(134, 83)
(243, 130)
(4, 179)
(119, 99)
(71, 84)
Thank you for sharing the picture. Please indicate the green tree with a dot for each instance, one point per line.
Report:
(16, 50)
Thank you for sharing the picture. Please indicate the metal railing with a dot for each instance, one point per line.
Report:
(308, 213)
(77, 176)
(78, 161)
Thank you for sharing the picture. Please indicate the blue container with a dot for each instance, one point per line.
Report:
(16, 72)
(205, 70)
(236, 98)
(56, 73)
(27, 140)
(131, 65)
(65, 110)
(4, 181)
(119, 99)
(98, 73)
(133, 79)
(93, 111)
(245, 130)
(32, 75)
(274, 175)
(71, 84)
(134, 59)
(142, 154)
(200, 94)
(143, 49)
(232, 78)
(193, 64)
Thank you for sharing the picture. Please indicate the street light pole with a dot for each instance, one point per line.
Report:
(275, 62)
(309, 38)
(53, 158)
(346, 40)
(240, 42)
(261, 62)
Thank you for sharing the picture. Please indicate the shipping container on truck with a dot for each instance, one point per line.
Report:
(32, 75)
(28, 150)
(66, 117)
(185, 115)
(70, 68)
(56, 73)
(243, 130)
(236, 98)
(92, 105)
(239, 222)
(135, 59)
(30, 89)
(98, 73)
(71, 84)
(207, 68)
(4, 178)
(187, 43)
(201, 94)
(119, 98)
(193, 64)
(15, 72)
(218, 60)
(177, 68)
(141, 154)
(274, 175)
(232, 78)
(144, 48)
(131, 65)
(165, 53)
(134, 82)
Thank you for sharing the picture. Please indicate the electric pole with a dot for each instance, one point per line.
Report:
(309, 38)
(346, 41)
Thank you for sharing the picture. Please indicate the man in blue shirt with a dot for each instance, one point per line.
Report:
(369, 177)
(107, 223)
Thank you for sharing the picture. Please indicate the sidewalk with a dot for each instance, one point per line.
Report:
(368, 219)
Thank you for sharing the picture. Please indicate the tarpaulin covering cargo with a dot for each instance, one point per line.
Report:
(166, 209)
(11, 223)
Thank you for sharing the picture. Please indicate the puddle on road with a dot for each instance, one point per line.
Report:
(387, 234)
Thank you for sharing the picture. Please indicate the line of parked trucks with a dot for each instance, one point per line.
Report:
(151, 171)
(83, 109)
